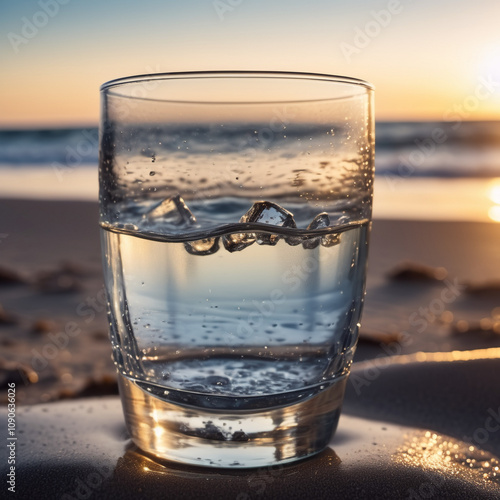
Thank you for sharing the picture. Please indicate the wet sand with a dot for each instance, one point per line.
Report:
(390, 444)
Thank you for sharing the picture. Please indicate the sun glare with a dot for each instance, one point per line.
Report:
(494, 196)
(494, 213)
(488, 70)
(490, 63)
(495, 192)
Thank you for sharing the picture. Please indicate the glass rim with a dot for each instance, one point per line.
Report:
(287, 75)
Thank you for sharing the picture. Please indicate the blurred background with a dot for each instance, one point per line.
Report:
(425, 58)
(435, 63)
(432, 309)
(436, 70)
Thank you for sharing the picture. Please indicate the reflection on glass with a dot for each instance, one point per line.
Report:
(275, 435)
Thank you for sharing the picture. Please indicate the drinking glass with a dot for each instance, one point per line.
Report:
(235, 209)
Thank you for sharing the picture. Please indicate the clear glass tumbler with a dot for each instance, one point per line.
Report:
(235, 209)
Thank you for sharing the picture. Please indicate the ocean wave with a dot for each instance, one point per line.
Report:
(70, 147)
(405, 149)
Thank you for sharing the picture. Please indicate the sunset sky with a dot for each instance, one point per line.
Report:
(427, 59)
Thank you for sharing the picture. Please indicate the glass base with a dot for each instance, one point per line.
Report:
(231, 438)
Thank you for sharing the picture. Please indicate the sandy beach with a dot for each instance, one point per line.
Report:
(422, 385)
(334, 122)
(53, 328)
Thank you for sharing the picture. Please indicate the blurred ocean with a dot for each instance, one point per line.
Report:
(424, 170)
(421, 149)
